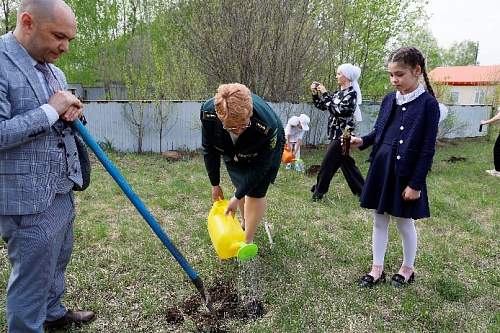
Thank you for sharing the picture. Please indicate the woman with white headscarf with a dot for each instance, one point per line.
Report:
(343, 105)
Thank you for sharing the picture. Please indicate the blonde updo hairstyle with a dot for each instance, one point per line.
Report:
(233, 103)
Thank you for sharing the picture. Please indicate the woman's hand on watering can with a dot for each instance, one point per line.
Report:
(232, 206)
(217, 193)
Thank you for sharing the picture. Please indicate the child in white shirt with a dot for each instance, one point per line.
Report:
(294, 132)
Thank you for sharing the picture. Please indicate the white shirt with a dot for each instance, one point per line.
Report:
(296, 133)
(50, 112)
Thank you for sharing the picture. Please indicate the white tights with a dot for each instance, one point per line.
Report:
(408, 233)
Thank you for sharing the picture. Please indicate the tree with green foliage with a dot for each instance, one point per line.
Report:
(98, 25)
(421, 37)
(462, 53)
(268, 45)
(9, 11)
(364, 33)
(187, 48)
(177, 78)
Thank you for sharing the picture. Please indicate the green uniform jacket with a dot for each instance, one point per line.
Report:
(258, 150)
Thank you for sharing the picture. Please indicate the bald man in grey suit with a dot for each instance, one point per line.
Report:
(38, 172)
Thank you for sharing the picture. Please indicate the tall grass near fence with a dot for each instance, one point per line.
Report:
(307, 282)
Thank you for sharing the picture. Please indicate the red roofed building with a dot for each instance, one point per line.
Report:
(466, 85)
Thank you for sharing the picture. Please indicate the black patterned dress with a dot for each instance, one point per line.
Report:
(341, 105)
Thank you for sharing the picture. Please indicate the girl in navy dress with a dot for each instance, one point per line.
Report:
(403, 143)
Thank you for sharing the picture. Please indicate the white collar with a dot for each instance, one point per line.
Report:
(403, 99)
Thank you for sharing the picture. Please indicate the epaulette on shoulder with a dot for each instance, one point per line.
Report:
(207, 115)
(261, 126)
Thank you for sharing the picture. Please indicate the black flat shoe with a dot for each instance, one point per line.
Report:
(398, 280)
(368, 281)
(316, 197)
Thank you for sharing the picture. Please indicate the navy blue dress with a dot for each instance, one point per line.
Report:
(383, 188)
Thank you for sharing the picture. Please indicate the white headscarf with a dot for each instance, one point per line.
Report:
(352, 73)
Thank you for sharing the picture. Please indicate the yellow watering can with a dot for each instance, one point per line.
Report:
(228, 238)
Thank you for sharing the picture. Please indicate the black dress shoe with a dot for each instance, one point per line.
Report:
(398, 280)
(369, 281)
(71, 317)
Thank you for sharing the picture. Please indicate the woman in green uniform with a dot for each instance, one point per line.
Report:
(242, 128)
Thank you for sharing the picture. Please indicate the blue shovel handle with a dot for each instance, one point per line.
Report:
(139, 205)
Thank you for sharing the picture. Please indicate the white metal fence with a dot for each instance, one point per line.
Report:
(108, 124)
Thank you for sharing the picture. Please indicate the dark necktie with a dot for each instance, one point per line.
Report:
(49, 77)
(72, 160)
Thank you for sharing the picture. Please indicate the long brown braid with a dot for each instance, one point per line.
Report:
(411, 57)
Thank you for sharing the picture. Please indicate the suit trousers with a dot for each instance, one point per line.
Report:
(39, 247)
(332, 161)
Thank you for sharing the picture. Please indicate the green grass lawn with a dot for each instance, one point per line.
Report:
(307, 281)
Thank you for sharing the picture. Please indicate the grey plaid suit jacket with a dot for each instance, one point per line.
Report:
(32, 153)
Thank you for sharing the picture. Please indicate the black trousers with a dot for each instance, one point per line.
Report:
(496, 154)
(332, 161)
